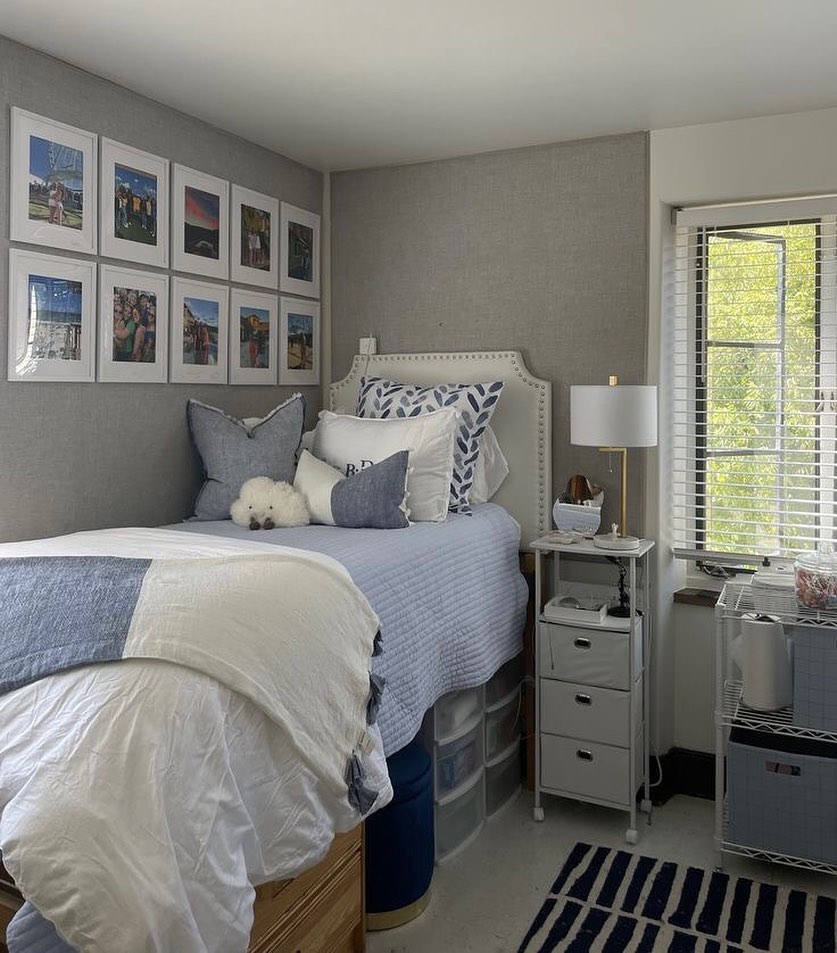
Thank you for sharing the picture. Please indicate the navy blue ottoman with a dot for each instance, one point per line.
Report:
(399, 843)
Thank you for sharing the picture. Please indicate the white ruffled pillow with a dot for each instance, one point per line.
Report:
(491, 469)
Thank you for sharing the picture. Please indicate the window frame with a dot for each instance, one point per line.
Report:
(698, 401)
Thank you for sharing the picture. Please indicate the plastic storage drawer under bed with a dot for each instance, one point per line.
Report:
(458, 760)
(454, 710)
(502, 782)
(504, 680)
(502, 727)
(459, 819)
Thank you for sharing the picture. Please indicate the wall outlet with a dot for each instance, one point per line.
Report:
(367, 346)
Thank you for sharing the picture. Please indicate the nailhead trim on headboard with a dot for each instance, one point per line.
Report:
(539, 521)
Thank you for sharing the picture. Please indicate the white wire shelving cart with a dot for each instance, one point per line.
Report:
(736, 601)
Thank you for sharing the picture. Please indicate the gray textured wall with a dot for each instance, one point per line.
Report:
(543, 250)
(82, 456)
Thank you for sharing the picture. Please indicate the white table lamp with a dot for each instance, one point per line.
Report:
(614, 417)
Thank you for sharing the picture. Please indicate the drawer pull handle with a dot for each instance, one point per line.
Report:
(583, 699)
(584, 754)
(582, 643)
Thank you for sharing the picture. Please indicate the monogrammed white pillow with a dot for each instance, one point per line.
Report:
(352, 443)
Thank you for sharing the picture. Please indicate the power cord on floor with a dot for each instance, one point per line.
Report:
(654, 753)
(659, 781)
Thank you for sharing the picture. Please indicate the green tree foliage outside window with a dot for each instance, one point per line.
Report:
(759, 327)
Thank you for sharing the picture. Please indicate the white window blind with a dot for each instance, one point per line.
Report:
(753, 329)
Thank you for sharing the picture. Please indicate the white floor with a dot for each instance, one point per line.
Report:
(485, 898)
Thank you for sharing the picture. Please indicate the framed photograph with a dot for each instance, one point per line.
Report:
(134, 205)
(200, 223)
(300, 252)
(253, 333)
(299, 341)
(198, 332)
(254, 252)
(52, 317)
(133, 325)
(53, 184)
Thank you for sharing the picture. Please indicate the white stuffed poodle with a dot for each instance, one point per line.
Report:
(265, 504)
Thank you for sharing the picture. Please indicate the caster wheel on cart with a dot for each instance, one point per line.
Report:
(631, 836)
(537, 813)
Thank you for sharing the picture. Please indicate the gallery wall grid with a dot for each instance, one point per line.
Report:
(188, 290)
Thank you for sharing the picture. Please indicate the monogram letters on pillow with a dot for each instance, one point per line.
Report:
(378, 397)
(371, 497)
(351, 443)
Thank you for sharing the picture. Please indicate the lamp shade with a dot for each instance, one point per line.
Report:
(620, 415)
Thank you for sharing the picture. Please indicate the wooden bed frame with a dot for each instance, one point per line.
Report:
(323, 910)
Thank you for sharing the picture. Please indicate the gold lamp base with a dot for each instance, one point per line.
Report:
(623, 453)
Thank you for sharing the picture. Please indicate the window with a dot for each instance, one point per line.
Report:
(754, 380)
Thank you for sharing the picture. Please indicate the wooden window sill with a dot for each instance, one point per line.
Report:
(691, 596)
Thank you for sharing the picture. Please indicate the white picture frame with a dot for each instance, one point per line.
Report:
(133, 205)
(52, 317)
(254, 238)
(139, 353)
(299, 271)
(193, 357)
(254, 320)
(299, 341)
(200, 220)
(53, 184)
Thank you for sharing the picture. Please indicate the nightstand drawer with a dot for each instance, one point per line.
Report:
(582, 711)
(589, 656)
(585, 768)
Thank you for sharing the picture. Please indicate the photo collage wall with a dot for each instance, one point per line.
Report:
(73, 319)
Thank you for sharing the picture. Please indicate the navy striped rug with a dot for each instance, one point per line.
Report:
(610, 901)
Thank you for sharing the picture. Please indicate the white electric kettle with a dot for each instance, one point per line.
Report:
(762, 652)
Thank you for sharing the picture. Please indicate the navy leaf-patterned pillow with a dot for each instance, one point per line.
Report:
(476, 403)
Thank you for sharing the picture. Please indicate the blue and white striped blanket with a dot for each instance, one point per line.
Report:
(288, 631)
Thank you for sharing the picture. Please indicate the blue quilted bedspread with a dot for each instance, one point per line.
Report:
(450, 597)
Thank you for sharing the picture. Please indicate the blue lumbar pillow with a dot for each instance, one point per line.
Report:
(373, 497)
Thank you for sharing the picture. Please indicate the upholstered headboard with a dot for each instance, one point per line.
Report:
(522, 420)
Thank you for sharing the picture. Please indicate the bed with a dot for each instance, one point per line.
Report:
(436, 624)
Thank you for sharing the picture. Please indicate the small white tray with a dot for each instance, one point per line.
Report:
(590, 611)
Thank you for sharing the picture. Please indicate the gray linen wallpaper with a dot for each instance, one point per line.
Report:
(542, 250)
(83, 456)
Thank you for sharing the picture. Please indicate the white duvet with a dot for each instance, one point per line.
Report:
(139, 800)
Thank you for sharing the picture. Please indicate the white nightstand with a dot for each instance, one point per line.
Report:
(592, 687)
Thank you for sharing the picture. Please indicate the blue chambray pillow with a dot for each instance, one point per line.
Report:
(475, 403)
(372, 498)
(232, 452)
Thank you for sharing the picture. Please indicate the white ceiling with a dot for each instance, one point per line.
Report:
(341, 84)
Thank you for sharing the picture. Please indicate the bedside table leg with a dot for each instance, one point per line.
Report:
(537, 811)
